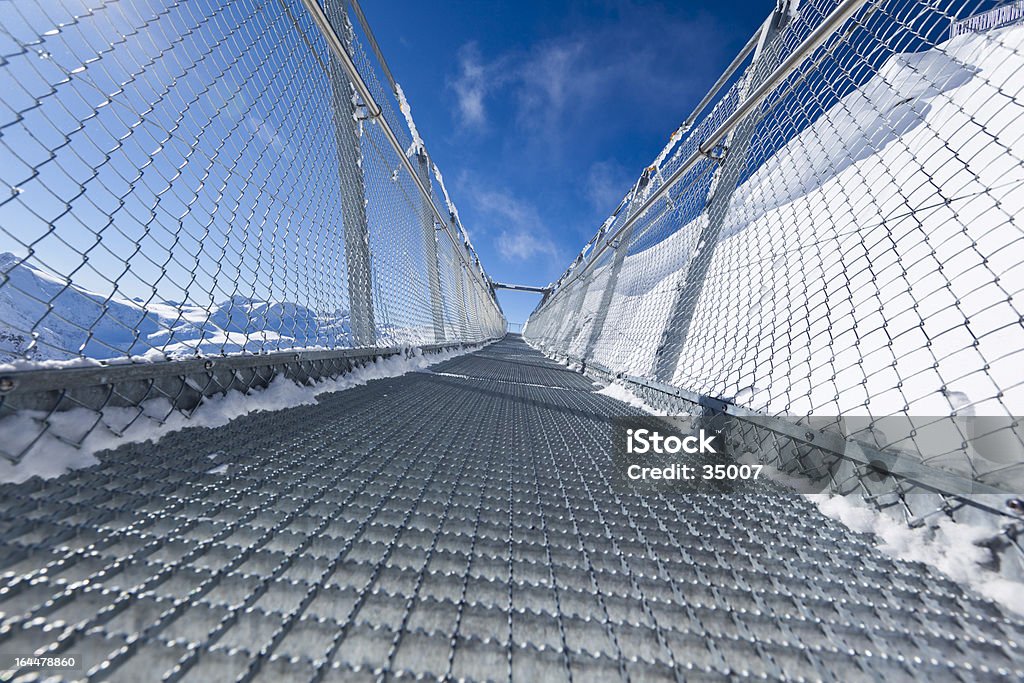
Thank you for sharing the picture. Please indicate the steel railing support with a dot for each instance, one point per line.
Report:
(621, 248)
(353, 194)
(465, 286)
(573, 320)
(737, 144)
(430, 228)
(460, 299)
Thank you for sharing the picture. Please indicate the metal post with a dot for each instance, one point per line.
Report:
(353, 194)
(621, 247)
(475, 297)
(558, 322)
(430, 249)
(460, 298)
(576, 318)
(677, 328)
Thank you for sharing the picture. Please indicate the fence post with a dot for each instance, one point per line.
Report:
(563, 322)
(353, 192)
(684, 305)
(461, 301)
(621, 247)
(430, 249)
(571, 326)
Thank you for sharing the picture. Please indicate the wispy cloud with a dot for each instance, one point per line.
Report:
(606, 183)
(471, 86)
(550, 81)
(519, 244)
(519, 230)
(554, 88)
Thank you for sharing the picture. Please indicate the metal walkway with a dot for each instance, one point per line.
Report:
(458, 523)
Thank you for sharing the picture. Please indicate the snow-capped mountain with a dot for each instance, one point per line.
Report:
(43, 318)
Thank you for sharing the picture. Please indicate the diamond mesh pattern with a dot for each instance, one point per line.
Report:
(848, 248)
(199, 180)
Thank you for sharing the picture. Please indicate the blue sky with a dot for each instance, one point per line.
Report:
(542, 114)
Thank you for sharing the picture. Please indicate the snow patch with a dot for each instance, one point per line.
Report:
(947, 546)
(673, 140)
(620, 393)
(452, 209)
(793, 9)
(417, 142)
(54, 452)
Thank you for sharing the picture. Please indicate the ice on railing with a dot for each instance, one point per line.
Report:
(999, 16)
(417, 142)
(416, 147)
(452, 209)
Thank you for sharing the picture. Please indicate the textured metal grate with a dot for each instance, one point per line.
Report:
(459, 523)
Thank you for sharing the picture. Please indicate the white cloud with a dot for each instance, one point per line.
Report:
(554, 88)
(521, 232)
(507, 207)
(552, 78)
(519, 244)
(471, 86)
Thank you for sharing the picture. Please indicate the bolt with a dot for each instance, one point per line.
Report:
(208, 365)
(1016, 505)
(7, 384)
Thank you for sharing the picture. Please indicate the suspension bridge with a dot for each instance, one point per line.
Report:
(262, 417)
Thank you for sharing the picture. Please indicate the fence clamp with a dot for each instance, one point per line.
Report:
(718, 153)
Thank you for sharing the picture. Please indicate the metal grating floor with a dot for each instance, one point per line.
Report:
(458, 523)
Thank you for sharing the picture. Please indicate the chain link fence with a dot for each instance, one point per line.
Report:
(199, 196)
(834, 243)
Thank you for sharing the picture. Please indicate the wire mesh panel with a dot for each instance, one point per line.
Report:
(840, 236)
(179, 179)
(209, 179)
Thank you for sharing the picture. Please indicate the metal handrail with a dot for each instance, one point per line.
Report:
(336, 45)
(823, 32)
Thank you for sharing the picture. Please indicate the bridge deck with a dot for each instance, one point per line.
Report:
(458, 522)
